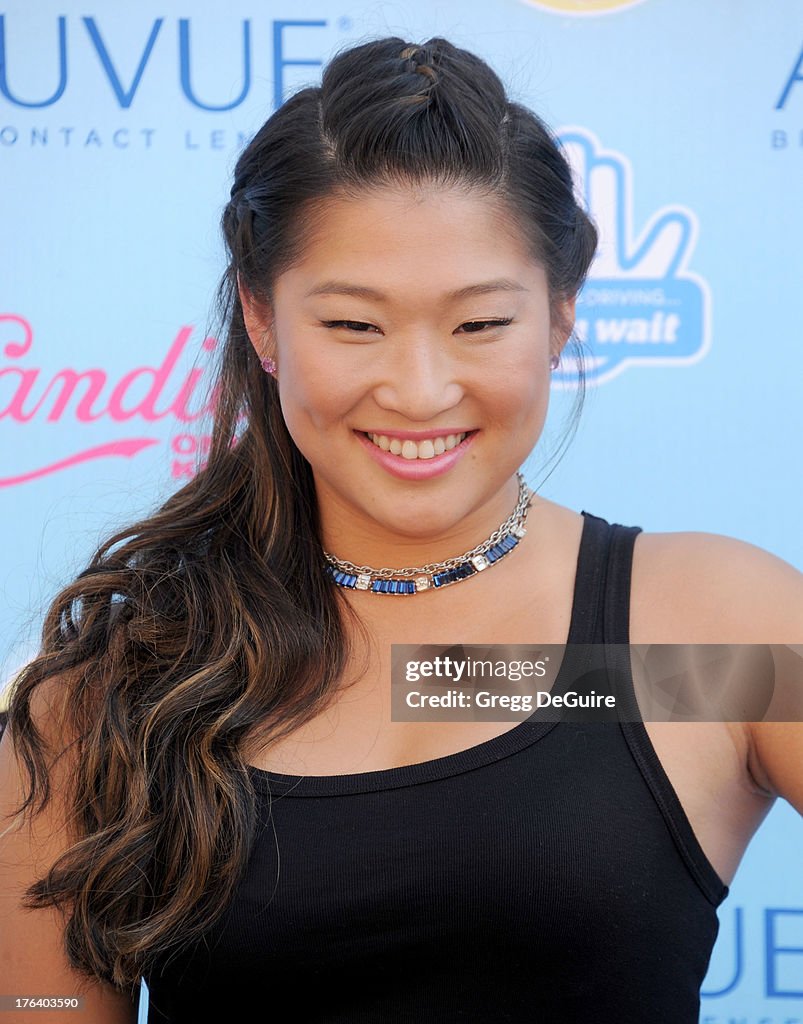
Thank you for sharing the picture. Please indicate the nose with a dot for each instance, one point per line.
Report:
(418, 379)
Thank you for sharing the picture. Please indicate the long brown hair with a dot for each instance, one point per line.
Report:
(212, 620)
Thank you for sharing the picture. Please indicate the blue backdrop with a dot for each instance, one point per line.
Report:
(119, 128)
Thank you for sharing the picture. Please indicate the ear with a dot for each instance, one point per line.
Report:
(258, 322)
(563, 323)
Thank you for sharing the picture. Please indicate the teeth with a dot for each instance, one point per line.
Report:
(427, 449)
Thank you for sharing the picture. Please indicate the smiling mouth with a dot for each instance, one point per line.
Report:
(411, 450)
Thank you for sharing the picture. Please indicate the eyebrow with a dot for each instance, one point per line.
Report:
(502, 284)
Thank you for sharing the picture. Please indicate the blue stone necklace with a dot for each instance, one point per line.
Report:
(437, 574)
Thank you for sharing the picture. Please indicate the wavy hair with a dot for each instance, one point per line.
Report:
(202, 626)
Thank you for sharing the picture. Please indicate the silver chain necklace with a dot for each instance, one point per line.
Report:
(415, 579)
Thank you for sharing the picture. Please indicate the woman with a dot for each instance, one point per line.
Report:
(233, 813)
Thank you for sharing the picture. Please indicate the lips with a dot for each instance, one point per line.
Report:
(418, 463)
(424, 448)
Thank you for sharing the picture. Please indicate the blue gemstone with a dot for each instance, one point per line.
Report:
(409, 587)
(394, 586)
(343, 579)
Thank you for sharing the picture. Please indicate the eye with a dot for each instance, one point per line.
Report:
(481, 324)
(473, 326)
(351, 325)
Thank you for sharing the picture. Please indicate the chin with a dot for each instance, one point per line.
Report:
(420, 523)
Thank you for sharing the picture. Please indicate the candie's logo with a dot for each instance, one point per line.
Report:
(138, 400)
(583, 7)
(641, 305)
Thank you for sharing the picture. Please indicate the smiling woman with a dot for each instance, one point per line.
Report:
(205, 786)
(422, 363)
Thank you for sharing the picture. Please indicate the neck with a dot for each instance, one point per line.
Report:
(430, 571)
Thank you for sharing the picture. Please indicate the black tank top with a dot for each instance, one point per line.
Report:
(547, 875)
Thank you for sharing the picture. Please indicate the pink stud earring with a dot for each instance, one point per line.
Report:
(554, 362)
(269, 365)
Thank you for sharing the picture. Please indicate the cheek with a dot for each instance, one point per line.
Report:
(518, 390)
(314, 389)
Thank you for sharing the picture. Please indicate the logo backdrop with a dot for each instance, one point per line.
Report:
(119, 128)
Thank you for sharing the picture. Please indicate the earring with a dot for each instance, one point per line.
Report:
(554, 362)
(269, 365)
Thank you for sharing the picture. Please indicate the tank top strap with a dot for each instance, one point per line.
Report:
(601, 612)
(615, 543)
(589, 582)
(618, 579)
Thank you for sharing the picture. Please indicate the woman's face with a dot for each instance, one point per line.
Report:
(413, 344)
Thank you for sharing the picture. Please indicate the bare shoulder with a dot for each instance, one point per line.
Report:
(706, 588)
(720, 589)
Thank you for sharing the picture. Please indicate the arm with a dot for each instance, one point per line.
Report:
(32, 958)
(758, 598)
(777, 747)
